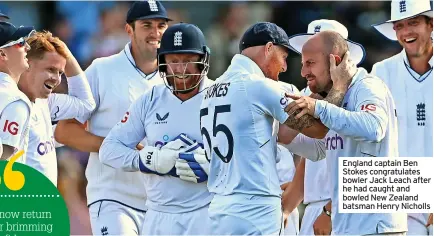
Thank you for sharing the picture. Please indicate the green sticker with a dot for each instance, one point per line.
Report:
(29, 203)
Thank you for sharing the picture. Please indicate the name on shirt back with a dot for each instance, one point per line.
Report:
(217, 90)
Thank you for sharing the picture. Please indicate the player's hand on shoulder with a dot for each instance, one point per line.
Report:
(162, 161)
(193, 165)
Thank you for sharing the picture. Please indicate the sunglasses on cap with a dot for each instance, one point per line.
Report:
(18, 43)
(21, 42)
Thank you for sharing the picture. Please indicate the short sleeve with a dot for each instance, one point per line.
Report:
(13, 121)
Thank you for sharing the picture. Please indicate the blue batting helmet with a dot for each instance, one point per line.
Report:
(183, 38)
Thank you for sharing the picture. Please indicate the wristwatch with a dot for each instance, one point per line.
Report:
(327, 212)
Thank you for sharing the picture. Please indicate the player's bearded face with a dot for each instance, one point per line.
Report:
(182, 70)
(414, 35)
(315, 69)
(146, 35)
(43, 76)
(275, 62)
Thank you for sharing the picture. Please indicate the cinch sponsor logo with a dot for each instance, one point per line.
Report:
(335, 142)
(283, 100)
(46, 147)
(160, 144)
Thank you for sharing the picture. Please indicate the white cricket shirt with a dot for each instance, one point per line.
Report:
(159, 116)
(413, 95)
(365, 125)
(115, 83)
(15, 111)
(41, 153)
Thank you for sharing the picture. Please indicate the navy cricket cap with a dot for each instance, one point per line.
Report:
(8, 32)
(4, 15)
(263, 32)
(150, 9)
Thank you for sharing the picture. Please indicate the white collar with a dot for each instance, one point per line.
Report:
(360, 74)
(128, 52)
(430, 61)
(404, 55)
(242, 62)
(7, 79)
(130, 58)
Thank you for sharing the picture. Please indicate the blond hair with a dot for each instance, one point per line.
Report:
(41, 42)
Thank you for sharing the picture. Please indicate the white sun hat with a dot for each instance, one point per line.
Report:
(357, 51)
(401, 10)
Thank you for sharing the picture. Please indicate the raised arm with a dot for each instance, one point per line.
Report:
(369, 120)
(79, 102)
(72, 132)
(302, 108)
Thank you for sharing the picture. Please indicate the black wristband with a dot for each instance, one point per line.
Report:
(326, 211)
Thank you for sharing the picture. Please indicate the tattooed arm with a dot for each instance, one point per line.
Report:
(307, 124)
(302, 109)
(336, 96)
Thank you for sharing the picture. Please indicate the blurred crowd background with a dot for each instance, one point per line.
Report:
(96, 29)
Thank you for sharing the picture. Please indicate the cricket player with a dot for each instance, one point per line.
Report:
(409, 77)
(368, 108)
(117, 199)
(15, 107)
(48, 59)
(315, 175)
(238, 114)
(175, 166)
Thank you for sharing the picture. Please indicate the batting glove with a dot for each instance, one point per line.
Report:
(193, 166)
(162, 161)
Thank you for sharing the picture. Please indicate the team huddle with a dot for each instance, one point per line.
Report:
(173, 152)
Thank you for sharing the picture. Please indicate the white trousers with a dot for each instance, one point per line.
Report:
(293, 226)
(112, 218)
(311, 212)
(191, 223)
